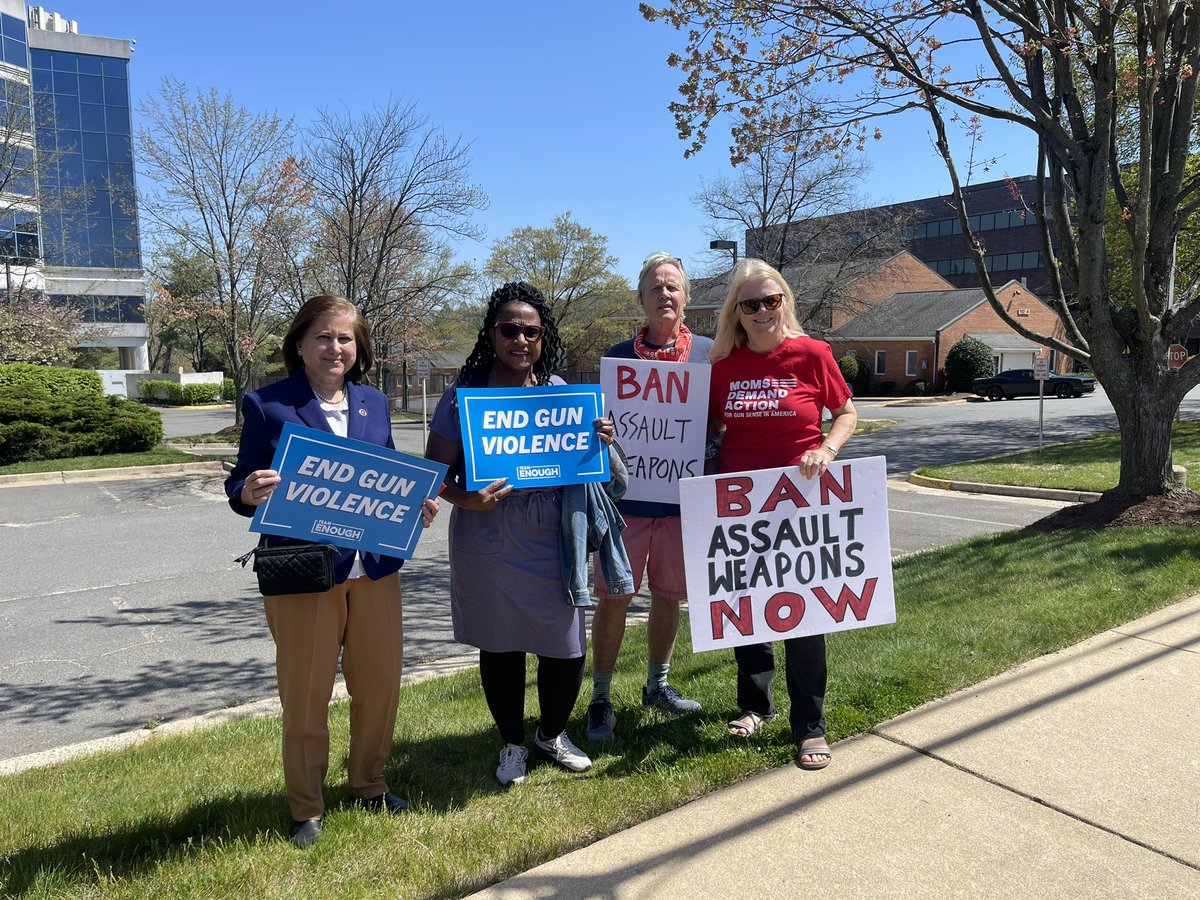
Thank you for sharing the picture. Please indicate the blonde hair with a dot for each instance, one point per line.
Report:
(730, 333)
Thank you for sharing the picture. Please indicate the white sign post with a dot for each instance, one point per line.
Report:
(424, 367)
(660, 410)
(771, 554)
(1041, 372)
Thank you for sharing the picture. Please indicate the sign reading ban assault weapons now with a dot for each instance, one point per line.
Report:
(771, 554)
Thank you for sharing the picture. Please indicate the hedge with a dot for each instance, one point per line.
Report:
(40, 425)
(19, 378)
(179, 394)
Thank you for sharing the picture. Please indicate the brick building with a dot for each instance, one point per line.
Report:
(906, 337)
(1003, 215)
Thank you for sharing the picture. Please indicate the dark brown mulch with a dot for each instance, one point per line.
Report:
(1123, 512)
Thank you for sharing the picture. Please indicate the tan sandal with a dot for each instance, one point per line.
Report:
(814, 748)
(746, 724)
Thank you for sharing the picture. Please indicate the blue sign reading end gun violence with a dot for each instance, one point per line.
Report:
(335, 490)
(535, 436)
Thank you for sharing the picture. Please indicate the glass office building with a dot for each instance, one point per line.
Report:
(69, 223)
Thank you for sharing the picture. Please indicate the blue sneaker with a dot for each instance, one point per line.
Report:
(600, 719)
(667, 699)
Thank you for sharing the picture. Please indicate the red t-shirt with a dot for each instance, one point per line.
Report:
(771, 402)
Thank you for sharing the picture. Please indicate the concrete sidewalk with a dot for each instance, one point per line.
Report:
(1074, 775)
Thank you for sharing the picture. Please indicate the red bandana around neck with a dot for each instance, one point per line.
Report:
(677, 351)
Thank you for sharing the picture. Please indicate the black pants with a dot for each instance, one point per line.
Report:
(804, 665)
(503, 678)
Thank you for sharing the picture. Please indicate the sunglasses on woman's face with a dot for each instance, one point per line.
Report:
(510, 330)
(771, 301)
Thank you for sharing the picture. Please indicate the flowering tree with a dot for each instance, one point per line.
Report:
(35, 330)
(1107, 88)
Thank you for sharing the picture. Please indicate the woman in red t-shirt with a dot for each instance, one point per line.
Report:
(770, 382)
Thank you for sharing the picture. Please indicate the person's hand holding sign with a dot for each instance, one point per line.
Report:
(815, 461)
(485, 500)
(429, 509)
(258, 486)
(606, 429)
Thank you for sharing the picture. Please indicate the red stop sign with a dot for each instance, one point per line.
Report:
(1176, 356)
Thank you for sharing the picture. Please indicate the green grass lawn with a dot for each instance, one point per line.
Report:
(1088, 465)
(203, 815)
(161, 455)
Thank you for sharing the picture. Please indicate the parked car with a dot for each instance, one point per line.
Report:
(1021, 383)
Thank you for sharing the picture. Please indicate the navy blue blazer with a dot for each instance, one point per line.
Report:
(292, 400)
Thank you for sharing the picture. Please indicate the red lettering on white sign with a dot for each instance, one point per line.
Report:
(860, 605)
(742, 620)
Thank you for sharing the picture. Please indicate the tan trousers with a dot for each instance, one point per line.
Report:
(360, 618)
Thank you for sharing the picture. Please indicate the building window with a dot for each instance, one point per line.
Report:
(82, 103)
(880, 362)
(105, 310)
(13, 46)
(910, 363)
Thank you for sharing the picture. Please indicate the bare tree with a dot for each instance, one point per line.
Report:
(798, 210)
(389, 189)
(774, 191)
(223, 189)
(1097, 84)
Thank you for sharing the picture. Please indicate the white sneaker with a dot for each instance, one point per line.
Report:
(512, 764)
(562, 751)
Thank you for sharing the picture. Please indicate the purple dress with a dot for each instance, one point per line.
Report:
(506, 585)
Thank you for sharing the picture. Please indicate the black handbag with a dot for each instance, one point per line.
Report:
(292, 568)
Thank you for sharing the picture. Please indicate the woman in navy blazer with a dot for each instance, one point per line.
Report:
(327, 351)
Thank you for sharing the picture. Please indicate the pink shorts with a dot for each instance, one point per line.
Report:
(654, 546)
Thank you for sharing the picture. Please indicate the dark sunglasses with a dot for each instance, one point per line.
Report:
(771, 301)
(510, 330)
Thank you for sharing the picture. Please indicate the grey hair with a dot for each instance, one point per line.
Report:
(662, 258)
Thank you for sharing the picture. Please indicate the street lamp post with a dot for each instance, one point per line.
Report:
(731, 246)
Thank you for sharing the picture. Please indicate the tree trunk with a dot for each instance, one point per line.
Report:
(1145, 408)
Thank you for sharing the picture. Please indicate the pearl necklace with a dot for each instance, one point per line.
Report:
(328, 400)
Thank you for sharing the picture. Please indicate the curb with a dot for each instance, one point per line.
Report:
(31, 479)
(415, 674)
(1003, 490)
(255, 709)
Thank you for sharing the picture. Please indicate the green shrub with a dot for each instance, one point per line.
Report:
(40, 425)
(18, 378)
(850, 368)
(916, 387)
(162, 391)
(228, 390)
(967, 360)
(200, 393)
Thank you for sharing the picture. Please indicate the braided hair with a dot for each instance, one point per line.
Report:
(477, 368)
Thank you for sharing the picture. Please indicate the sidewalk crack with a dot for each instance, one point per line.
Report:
(1083, 820)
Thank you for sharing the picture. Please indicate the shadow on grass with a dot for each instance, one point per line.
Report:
(137, 848)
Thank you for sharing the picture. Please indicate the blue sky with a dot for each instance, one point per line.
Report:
(564, 101)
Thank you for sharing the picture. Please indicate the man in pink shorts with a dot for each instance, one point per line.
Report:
(653, 537)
